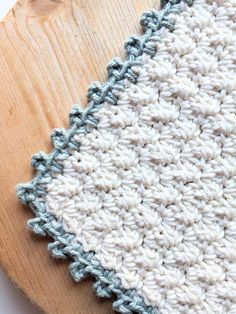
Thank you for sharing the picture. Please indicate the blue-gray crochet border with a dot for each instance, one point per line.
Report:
(44, 223)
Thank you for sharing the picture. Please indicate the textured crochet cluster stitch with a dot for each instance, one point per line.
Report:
(141, 190)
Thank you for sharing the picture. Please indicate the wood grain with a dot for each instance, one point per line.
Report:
(50, 52)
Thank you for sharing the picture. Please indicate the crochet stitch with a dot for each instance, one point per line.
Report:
(140, 191)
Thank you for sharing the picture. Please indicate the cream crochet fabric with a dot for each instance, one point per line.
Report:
(152, 189)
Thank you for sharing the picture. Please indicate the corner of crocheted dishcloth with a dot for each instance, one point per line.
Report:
(47, 165)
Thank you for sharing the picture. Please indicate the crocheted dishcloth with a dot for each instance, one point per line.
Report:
(140, 191)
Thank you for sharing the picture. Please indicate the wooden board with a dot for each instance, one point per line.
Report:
(50, 52)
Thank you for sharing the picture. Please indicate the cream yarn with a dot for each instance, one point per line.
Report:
(152, 190)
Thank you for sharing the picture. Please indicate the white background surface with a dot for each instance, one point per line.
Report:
(12, 301)
(5, 6)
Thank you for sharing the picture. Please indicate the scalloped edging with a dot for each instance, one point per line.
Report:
(65, 245)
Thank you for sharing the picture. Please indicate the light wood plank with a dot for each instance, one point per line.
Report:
(50, 52)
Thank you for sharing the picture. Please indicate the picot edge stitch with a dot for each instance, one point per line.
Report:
(65, 245)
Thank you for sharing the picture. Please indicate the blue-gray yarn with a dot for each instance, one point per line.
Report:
(82, 121)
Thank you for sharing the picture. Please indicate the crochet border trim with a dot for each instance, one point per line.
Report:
(81, 121)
